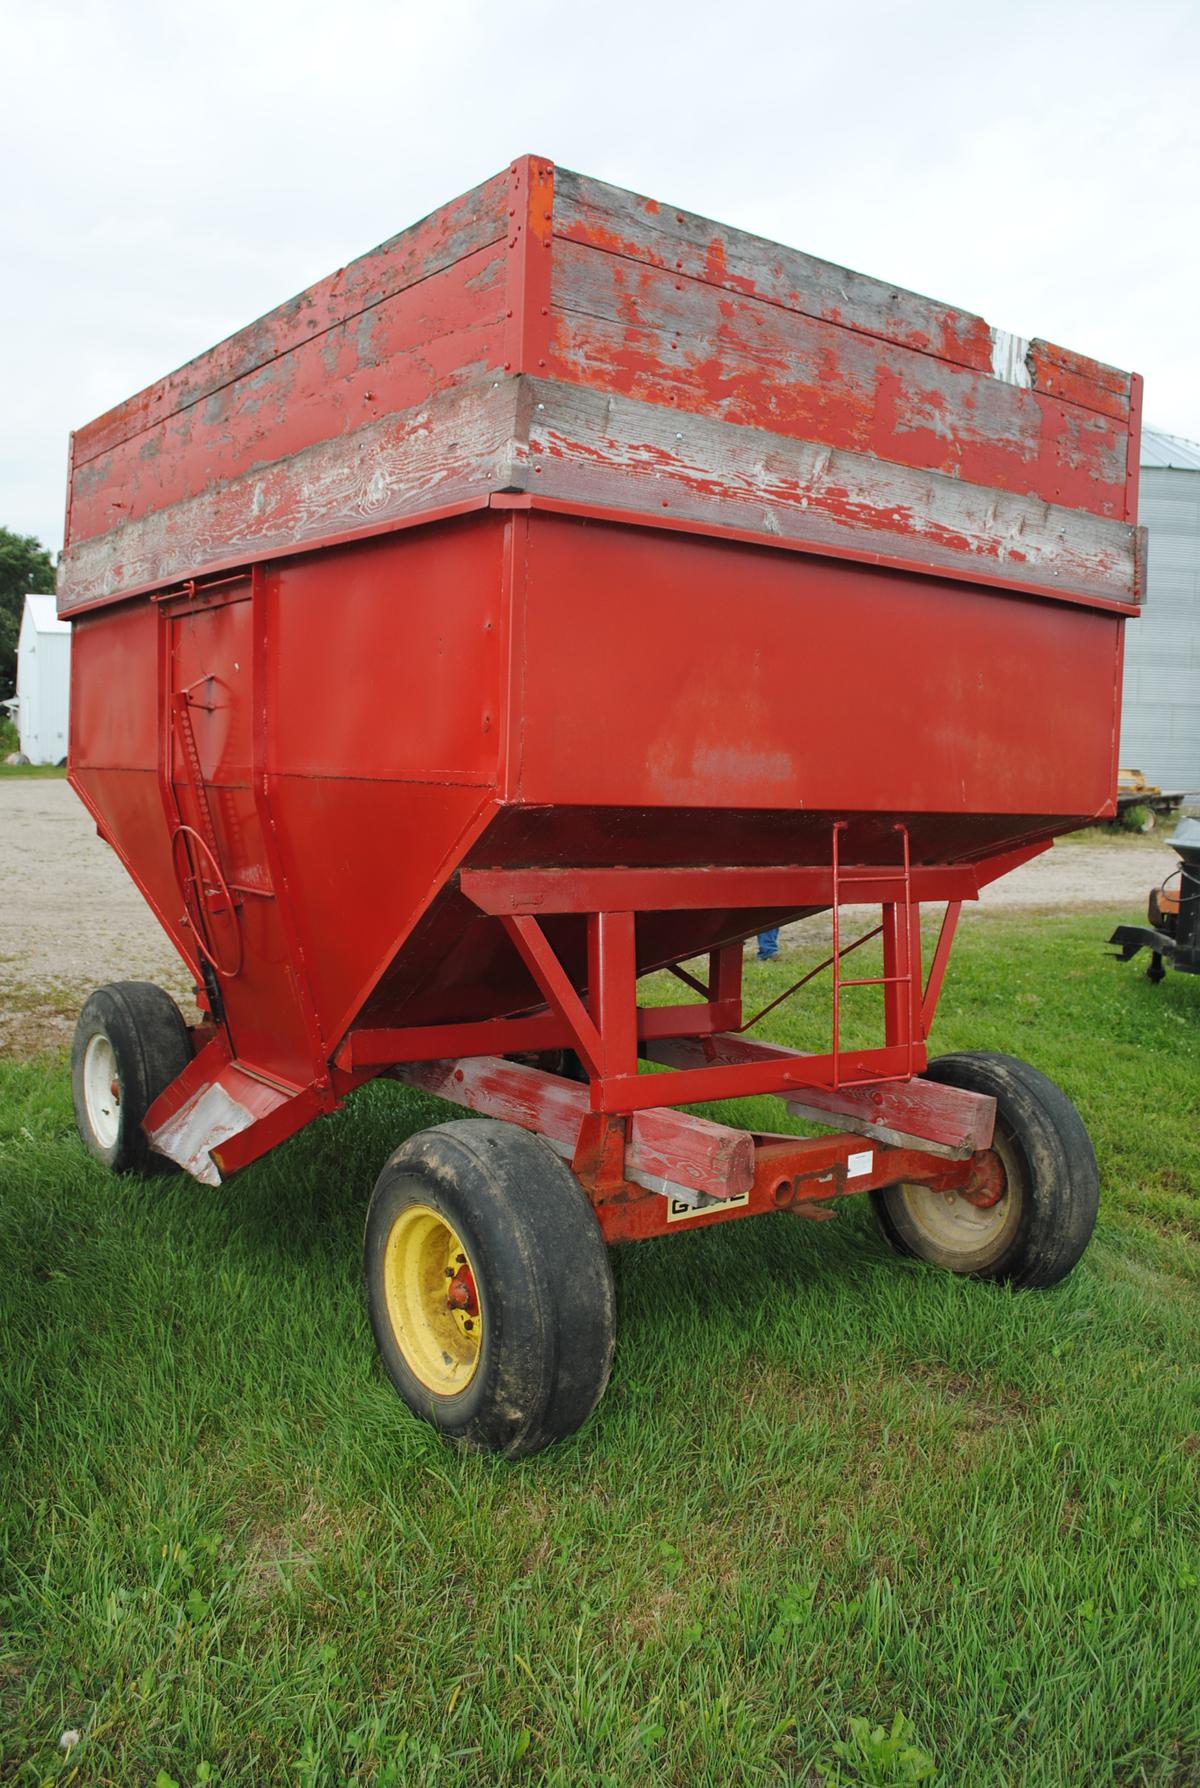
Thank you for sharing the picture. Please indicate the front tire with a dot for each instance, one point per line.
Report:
(1044, 1219)
(130, 1043)
(488, 1287)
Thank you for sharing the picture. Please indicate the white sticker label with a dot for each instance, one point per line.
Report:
(857, 1165)
(678, 1211)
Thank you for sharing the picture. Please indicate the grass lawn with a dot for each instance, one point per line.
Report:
(825, 1485)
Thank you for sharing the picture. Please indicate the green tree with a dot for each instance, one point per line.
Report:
(25, 568)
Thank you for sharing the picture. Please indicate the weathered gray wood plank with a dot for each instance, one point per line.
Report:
(469, 223)
(589, 446)
(636, 330)
(456, 449)
(569, 442)
(625, 223)
(444, 332)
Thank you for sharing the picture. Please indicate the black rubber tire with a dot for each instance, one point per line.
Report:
(152, 1047)
(1056, 1179)
(542, 1275)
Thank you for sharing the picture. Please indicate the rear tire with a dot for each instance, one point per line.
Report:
(1044, 1220)
(488, 1287)
(130, 1043)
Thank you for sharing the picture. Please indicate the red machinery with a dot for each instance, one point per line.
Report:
(568, 589)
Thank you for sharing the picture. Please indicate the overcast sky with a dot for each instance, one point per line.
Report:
(169, 172)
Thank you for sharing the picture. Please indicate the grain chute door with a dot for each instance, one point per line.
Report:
(219, 852)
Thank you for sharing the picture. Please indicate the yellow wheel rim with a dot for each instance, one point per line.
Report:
(432, 1300)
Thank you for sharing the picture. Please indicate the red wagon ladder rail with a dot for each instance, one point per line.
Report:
(901, 927)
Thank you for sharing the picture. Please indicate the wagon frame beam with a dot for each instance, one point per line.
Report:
(648, 1170)
(604, 1026)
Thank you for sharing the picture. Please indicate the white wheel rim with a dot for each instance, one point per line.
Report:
(102, 1090)
(954, 1223)
(957, 1226)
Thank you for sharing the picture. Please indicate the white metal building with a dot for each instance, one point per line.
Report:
(43, 681)
(1160, 726)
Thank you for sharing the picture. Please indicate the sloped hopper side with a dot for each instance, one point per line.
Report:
(518, 689)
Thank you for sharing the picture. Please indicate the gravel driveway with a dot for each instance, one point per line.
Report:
(70, 918)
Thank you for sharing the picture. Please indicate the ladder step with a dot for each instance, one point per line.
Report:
(897, 875)
(878, 981)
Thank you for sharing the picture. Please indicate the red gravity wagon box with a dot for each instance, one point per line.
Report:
(566, 590)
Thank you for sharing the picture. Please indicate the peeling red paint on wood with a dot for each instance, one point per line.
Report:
(448, 453)
(633, 329)
(572, 444)
(429, 339)
(1080, 380)
(448, 235)
(661, 1144)
(690, 247)
(921, 1111)
(1133, 471)
(623, 223)
(529, 242)
(550, 334)
(622, 453)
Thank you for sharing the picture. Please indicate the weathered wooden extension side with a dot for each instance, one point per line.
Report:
(551, 335)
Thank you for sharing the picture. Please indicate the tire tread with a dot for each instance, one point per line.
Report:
(558, 1335)
(152, 1046)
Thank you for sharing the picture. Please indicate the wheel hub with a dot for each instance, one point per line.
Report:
(432, 1300)
(461, 1294)
(971, 1217)
(988, 1182)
